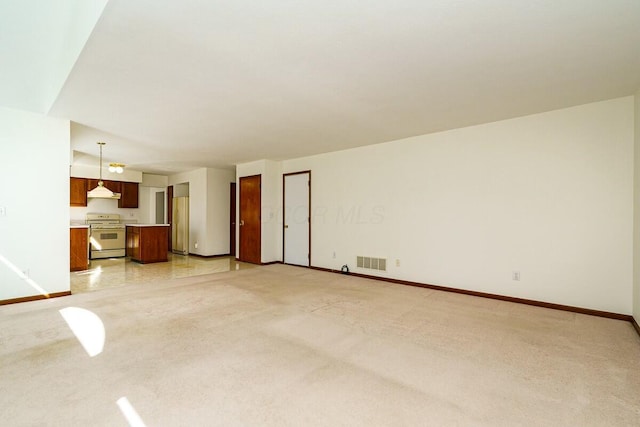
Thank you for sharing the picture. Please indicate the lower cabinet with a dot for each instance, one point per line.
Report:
(147, 243)
(79, 245)
(133, 242)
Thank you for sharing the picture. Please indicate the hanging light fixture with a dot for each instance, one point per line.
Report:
(102, 192)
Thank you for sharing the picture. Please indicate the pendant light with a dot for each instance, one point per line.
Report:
(102, 192)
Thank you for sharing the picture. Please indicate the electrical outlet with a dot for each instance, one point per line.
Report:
(515, 276)
(196, 245)
(334, 254)
(397, 263)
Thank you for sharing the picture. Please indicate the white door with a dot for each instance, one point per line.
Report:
(297, 212)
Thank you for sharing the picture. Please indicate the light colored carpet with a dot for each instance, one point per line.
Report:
(287, 346)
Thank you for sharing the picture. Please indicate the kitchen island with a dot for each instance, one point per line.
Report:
(148, 243)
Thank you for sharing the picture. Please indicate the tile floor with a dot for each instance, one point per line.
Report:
(115, 272)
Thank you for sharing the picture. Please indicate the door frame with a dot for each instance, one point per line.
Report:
(232, 219)
(170, 216)
(239, 249)
(284, 200)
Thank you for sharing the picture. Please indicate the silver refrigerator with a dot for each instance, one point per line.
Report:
(180, 226)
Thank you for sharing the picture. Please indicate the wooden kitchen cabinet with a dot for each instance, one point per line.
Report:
(147, 243)
(78, 192)
(128, 191)
(133, 242)
(115, 186)
(79, 245)
(128, 195)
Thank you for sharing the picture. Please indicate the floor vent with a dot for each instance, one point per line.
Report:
(372, 263)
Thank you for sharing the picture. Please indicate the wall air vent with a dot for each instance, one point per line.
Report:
(371, 263)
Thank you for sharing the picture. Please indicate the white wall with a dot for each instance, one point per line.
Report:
(197, 181)
(636, 216)
(549, 195)
(85, 171)
(218, 210)
(152, 184)
(144, 205)
(208, 209)
(181, 190)
(271, 200)
(34, 195)
(272, 212)
(153, 180)
(77, 214)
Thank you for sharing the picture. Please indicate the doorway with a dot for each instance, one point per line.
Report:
(296, 230)
(160, 207)
(250, 227)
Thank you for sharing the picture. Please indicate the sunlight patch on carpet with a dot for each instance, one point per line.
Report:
(87, 327)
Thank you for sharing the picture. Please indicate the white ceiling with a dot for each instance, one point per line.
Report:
(40, 41)
(190, 83)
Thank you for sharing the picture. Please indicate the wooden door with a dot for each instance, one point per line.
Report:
(250, 205)
(170, 215)
(296, 230)
(232, 219)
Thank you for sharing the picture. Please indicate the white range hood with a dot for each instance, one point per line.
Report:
(102, 192)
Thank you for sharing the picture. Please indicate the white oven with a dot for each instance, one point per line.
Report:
(107, 235)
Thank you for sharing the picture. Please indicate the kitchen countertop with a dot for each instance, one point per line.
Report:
(148, 225)
(78, 226)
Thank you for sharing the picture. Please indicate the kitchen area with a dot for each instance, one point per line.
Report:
(129, 226)
(111, 237)
(122, 223)
(143, 241)
(116, 219)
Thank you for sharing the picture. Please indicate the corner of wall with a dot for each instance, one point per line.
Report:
(636, 209)
(28, 269)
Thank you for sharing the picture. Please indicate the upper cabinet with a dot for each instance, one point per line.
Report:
(111, 185)
(128, 195)
(78, 191)
(79, 187)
